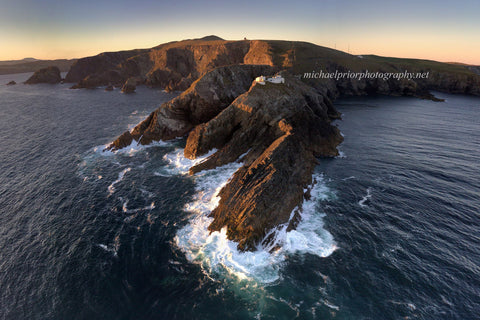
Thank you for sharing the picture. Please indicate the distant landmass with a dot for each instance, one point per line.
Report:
(32, 65)
(13, 62)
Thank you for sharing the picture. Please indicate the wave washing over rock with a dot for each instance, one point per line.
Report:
(277, 130)
(219, 257)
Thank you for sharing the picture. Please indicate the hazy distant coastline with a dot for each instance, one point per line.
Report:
(32, 65)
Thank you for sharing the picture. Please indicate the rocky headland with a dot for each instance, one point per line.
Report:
(278, 131)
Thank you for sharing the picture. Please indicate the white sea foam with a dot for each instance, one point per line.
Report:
(112, 250)
(341, 154)
(129, 150)
(178, 164)
(111, 187)
(366, 198)
(126, 210)
(219, 256)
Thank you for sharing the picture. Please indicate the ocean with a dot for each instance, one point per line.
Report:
(391, 231)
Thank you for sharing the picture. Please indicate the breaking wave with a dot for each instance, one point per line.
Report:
(219, 257)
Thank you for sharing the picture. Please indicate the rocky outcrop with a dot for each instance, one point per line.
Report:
(130, 85)
(282, 129)
(11, 83)
(201, 102)
(45, 75)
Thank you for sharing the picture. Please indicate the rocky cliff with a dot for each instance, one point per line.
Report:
(280, 129)
(45, 75)
(205, 98)
(176, 65)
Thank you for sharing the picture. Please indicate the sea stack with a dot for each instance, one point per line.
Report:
(46, 75)
(130, 86)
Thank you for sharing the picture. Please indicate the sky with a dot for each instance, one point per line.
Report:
(439, 30)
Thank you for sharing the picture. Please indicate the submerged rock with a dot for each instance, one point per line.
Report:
(11, 83)
(45, 75)
(109, 88)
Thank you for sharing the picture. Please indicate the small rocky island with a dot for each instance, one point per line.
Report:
(278, 130)
(45, 75)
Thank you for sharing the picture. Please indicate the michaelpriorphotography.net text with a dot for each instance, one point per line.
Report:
(337, 75)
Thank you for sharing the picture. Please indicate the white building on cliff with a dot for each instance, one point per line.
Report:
(275, 79)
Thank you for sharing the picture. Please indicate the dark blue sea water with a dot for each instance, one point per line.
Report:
(392, 231)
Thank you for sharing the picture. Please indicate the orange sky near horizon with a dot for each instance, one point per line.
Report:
(433, 33)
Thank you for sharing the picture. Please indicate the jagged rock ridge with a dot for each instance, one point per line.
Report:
(281, 128)
(201, 102)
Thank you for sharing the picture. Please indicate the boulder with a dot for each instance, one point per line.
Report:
(130, 85)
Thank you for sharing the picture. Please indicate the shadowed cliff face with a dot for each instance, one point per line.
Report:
(201, 102)
(99, 66)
